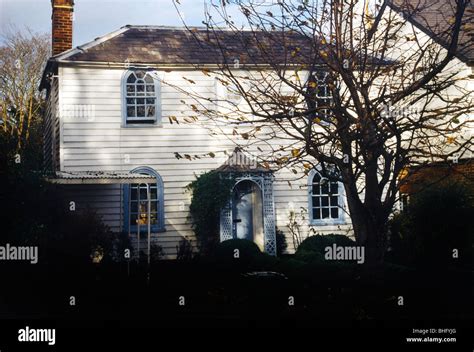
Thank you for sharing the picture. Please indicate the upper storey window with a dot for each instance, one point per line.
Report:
(142, 99)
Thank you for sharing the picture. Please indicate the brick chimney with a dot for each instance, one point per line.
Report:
(62, 25)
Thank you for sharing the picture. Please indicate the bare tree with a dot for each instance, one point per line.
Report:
(23, 55)
(353, 89)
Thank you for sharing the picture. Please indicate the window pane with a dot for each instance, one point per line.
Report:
(325, 212)
(140, 74)
(140, 111)
(131, 78)
(316, 189)
(150, 101)
(133, 192)
(153, 192)
(154, 206)
(334, 201)
(148, 79)
(130, 101)
(143, 194)
(130, 111)
(150, 111)
(140, 101)
(133, 207)
(324, 201)
(150, 88)
(316, 214)
(133, 219)
(140, 89)
(335, 213)
(325, 188)
(141, 218)
(143, 206)
(334, 187)
(316, 202)
(130, 89)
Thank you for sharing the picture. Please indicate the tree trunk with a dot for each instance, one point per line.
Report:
(371, 233)
(370, 230)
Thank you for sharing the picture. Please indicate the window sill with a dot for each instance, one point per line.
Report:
(328, 222)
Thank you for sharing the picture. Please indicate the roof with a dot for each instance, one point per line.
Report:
(99, 177)
(436, 19)
(190, 46)
(193, 46)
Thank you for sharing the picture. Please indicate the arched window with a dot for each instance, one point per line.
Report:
(326, 200)
(319, 95)
(137, 196)
(141, 99)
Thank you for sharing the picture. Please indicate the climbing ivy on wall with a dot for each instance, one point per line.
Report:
(210, 193)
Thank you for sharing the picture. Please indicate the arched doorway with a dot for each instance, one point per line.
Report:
(250, 212)
(247, 213)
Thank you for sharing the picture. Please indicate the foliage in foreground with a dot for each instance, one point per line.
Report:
(437, 224)
(210, 193)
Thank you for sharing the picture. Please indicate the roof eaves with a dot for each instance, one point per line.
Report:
(99, 177)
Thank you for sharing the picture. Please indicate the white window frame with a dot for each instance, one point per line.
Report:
(327, 97)
(341, 220)
(157, 118)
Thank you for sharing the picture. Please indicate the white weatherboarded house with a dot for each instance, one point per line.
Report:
(111, 129)
(112, 137)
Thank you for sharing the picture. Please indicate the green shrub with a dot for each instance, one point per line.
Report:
(292, 266)
(245, 250)
(281, 244)
(309, 256)
(312, 249)
(312, 266)
(264, 261)
(36, 213)
(402, 247)
(81, 238)
(439, 220)
(242, 255)
(210, 193)
(184, 249)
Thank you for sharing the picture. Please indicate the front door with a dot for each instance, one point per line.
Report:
(247, 216)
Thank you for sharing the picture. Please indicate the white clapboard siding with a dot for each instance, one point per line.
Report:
(102, 144)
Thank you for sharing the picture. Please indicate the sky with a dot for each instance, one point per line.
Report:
(94, 18)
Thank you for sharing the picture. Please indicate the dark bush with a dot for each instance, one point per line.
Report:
(312, 266)
(81, 238)
(35, 213)
(313, 247)
(402, 247)
(249, 255)
(246, 250)
(309, 256)
(439, 220)
(184, 249)
(281, 244)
